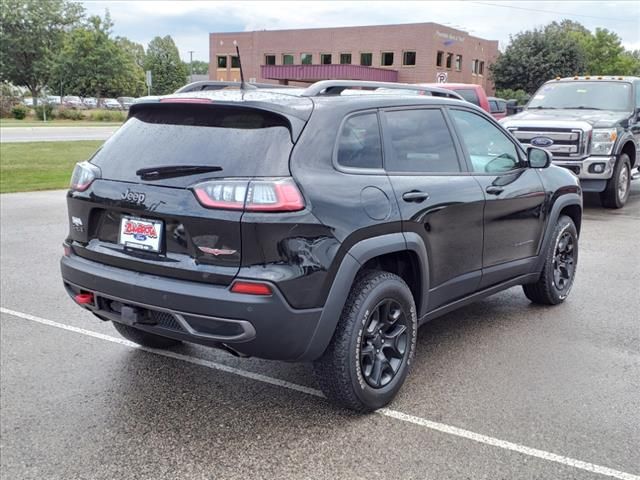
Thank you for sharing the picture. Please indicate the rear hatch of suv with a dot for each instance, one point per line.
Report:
(166, 193)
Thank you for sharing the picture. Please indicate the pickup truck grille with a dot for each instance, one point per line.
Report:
(568, 143)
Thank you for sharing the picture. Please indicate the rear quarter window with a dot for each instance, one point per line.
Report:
(359, 144)
(469, 95)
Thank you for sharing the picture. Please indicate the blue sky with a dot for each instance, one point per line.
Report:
(190, 22)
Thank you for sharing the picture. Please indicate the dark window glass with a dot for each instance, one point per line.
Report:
(469, 95)
(306, 59)
(489, 148)
(345, 58)
(359, 144)
(387, 59)
(600, 95)
(287, 59)
(493, 106)
(481, 68)
(409, 58)
(243, 141)
(235, 62)
(458, 62)
(439, 57)
(269, 59)
(325, 59)
(449, 59)
(222, 61)
(421, 142)
(366, 59)
(637, 94)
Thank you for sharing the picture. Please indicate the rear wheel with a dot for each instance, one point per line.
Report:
(143, 338)
(618, 186)
(369, 356)
(560, 263)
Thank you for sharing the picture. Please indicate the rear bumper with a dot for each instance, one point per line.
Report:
(261, 326)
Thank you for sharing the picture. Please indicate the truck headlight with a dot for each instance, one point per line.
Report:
(603, 140)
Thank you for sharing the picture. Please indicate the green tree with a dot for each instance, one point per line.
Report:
(91, 63)
(536, 56)
(607, 56)
(163, 59)
(199, 67)
(31, 32)
(134, 49)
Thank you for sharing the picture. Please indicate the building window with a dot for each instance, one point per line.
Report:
(235, 61)
(474, 67)
(306, 59)
(409, 58)
(366, 59)
(386, 60)
(449, 59)
(439, 57)
(269, 59)
(481, 68)
(458, 62)
(222, 61)
(287, 59)
(345, 59)
(325, 58)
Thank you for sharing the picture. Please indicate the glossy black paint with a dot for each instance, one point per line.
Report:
(464, 241)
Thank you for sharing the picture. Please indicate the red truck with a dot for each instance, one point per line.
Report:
(474, 94)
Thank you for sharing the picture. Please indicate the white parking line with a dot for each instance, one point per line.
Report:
(422, 422)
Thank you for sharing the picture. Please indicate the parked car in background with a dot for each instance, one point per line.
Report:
(126, 102)
(470, 92)
(90, 102)
(591, 125)
(72, 102)
(111, 104)
(497, 107)
(53, 99)
(27, 101)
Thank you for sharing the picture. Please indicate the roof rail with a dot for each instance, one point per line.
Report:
(215, 85)
(336, 87)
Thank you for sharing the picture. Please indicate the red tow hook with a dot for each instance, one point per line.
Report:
(84, 298)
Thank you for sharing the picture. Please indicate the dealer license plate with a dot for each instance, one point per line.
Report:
(140, 233)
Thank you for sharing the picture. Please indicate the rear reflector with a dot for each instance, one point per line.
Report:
(263, 195)
(84, 298)
(251, 288)
(67, 250)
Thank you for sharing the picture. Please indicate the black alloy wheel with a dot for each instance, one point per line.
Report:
(564, 262)
(384, 343)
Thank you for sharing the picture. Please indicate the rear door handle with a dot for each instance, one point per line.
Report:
(415, 196)
(493, 190)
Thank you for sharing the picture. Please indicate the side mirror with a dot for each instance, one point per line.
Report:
(538, 157)
(512, 107)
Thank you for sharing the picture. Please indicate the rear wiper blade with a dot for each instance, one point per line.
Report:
(540, 107)
(582, 107)
(168, 171)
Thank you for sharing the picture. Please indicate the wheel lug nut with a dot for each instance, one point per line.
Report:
(383, 340)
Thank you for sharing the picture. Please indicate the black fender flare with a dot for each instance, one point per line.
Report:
(353, 260)
(566, 200)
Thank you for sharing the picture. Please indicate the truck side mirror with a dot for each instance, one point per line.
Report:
(512, 107)
(538, 157)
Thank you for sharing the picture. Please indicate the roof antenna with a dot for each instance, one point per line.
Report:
(243, 85)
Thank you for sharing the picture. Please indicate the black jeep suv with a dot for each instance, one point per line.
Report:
(314, 225)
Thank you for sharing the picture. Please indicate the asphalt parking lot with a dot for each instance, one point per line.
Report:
(500, 390)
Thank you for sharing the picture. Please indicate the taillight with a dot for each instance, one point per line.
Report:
(263, 195)
(83, 175)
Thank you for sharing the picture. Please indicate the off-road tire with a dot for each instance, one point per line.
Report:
(143, 338)
(612, 197)
(339, 371)
(545, 291)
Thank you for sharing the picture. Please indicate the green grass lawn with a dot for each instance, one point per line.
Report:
(40, 165)
(12, 122)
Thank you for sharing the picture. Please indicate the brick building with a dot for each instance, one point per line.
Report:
(410, 53)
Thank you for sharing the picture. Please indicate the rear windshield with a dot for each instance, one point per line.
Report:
(243, 142)
(469, 95)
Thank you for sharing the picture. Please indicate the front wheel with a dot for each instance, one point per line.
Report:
(561, 260)
(619, 185)
(372, 348)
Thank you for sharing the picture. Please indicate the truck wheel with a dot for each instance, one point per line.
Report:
(373, 346)
(143, 338)
(618, 186)
(560, 264)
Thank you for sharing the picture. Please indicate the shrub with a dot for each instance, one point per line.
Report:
(508, 94)
(9, 97)
(41, 109)
(19, 112)
(69, 114)
(107, 116)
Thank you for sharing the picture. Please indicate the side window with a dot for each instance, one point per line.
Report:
(637, 94)
(359, 145)
(502, 106)
(490, 149)
(493, 106)
(420, 142)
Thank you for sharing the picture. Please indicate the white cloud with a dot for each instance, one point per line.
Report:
(189, 23)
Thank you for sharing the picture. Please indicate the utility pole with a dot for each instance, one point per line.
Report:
(191, 65)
